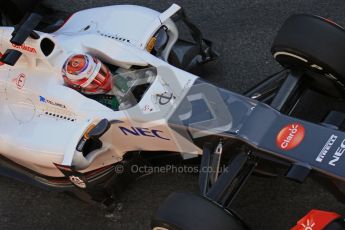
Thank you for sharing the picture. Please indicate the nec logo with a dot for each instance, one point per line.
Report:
(137, 131)
(290, 136)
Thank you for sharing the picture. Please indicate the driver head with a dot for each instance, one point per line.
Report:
(86, 74)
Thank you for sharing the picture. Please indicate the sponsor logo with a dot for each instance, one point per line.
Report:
(20, 81)
(1, 63)
(25, 48)
(316, 220)
(165, 98)
(77, 181)
(309, 225)
(290, 136)
(44, 100)
(326, 148)
(137, 131)
(336, 156)
(147, 108)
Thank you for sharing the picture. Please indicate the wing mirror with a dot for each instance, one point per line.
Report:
(97, 131)
(90, 141)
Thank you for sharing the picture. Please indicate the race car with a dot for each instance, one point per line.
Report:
(82, 101)
(297, 127)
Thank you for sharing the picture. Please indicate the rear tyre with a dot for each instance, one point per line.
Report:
(312, 43)
(183, 211)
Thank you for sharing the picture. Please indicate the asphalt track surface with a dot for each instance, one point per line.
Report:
(242, 30)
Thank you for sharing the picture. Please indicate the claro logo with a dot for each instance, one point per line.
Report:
(290, 136)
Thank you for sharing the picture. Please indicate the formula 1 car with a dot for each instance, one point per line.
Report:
(293, 120)
(78, 103)
(81, 104)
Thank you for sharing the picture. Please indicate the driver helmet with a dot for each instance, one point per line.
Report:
(87, 74)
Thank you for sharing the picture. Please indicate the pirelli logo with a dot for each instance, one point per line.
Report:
(326, 148)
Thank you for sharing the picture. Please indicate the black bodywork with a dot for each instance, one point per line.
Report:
(253, 145)
(256, 127)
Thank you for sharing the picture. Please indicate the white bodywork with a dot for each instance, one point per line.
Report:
(42, 120)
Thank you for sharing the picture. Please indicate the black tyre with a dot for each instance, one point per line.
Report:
(312, 43)
(183, 211)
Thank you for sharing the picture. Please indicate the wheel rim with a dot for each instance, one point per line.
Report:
(159, 228)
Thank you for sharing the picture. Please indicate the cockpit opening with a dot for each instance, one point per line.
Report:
(110, 85)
